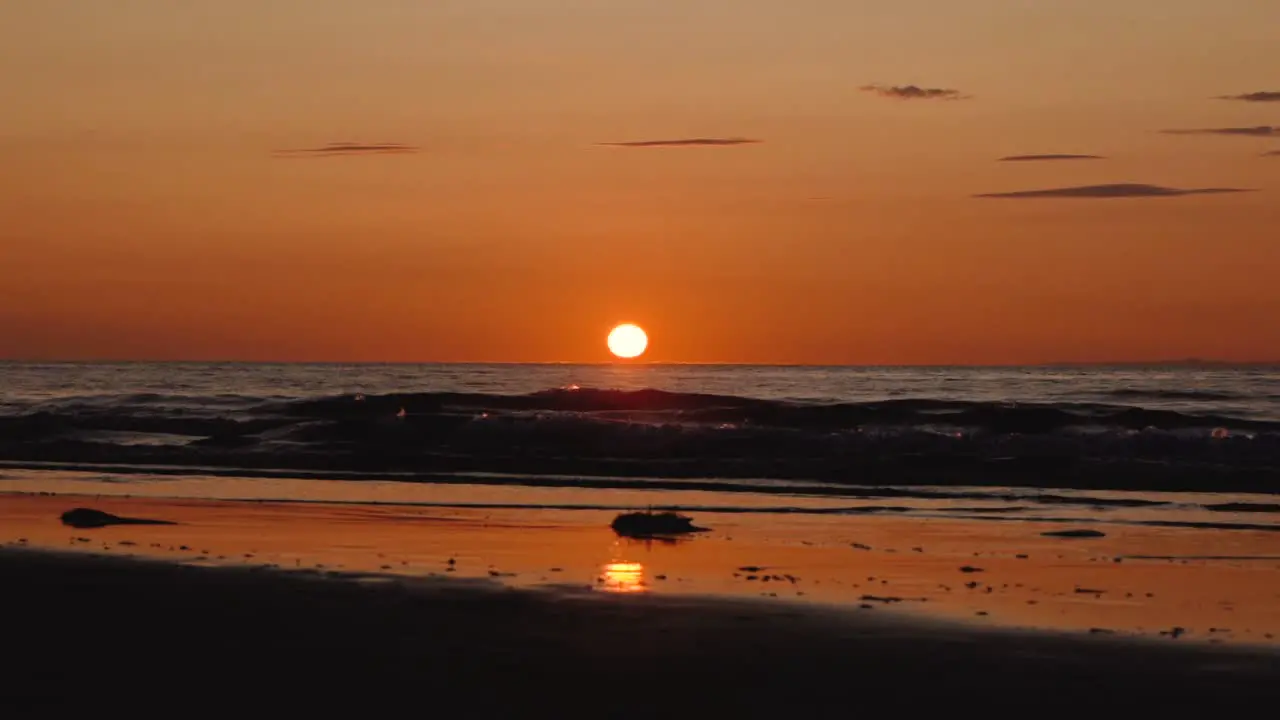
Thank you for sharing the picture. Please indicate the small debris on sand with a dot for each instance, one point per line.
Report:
(751, 568)
(86, 518)
(879, 599)
(860, 546)
(1074, 534)
(971, 569)
(1089, 591)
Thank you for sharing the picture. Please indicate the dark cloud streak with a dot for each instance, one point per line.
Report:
(1258, 131)
(1051, 156)
(349, 148)
(914, 92)
(1260, 96)
(1121, 190)
(684, 142)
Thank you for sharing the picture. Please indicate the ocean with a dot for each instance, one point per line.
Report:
(1197, 445)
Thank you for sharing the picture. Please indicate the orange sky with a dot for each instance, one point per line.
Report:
(145, 212)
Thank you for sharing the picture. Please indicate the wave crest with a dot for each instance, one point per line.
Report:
(656, 433)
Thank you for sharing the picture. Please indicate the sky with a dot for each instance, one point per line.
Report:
(771, 181)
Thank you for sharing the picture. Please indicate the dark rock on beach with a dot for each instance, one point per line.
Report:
(650, 524)
(87, 518)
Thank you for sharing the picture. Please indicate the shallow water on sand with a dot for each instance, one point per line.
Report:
(1135, 580)
(1226, 512)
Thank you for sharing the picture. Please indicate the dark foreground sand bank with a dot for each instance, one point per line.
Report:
(88, 632)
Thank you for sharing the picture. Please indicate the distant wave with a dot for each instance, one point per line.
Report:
(217, 415)
(657, 406)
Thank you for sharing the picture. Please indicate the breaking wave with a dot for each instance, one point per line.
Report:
(662, 434)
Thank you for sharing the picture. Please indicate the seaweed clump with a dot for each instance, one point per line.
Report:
(651, 524)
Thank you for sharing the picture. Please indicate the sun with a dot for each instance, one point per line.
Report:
(627, 341)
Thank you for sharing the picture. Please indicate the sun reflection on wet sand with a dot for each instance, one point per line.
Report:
(623, 577)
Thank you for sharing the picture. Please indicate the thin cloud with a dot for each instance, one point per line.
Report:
(684, 142)
(1260, 96)
(1122, 190)
(1051, 156)
(350, 148)
(1258, 131)
(914, 92)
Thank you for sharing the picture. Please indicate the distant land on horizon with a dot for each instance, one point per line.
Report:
(1187, 362)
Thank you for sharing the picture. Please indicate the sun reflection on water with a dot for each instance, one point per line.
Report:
(623, 577)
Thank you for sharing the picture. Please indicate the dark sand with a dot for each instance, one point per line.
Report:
(87, 632)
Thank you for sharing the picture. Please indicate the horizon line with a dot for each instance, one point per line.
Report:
(1183, 362)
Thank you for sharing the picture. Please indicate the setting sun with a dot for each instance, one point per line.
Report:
(628, 341)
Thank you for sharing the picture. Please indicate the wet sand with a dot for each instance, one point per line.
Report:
(1204, 585)
(329, 603)
(107, 632)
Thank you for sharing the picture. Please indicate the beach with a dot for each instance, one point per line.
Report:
(440, 536)
(311, 604)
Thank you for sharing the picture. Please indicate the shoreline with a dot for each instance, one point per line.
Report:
(310, 641)
(946, 469)
(888, 488)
